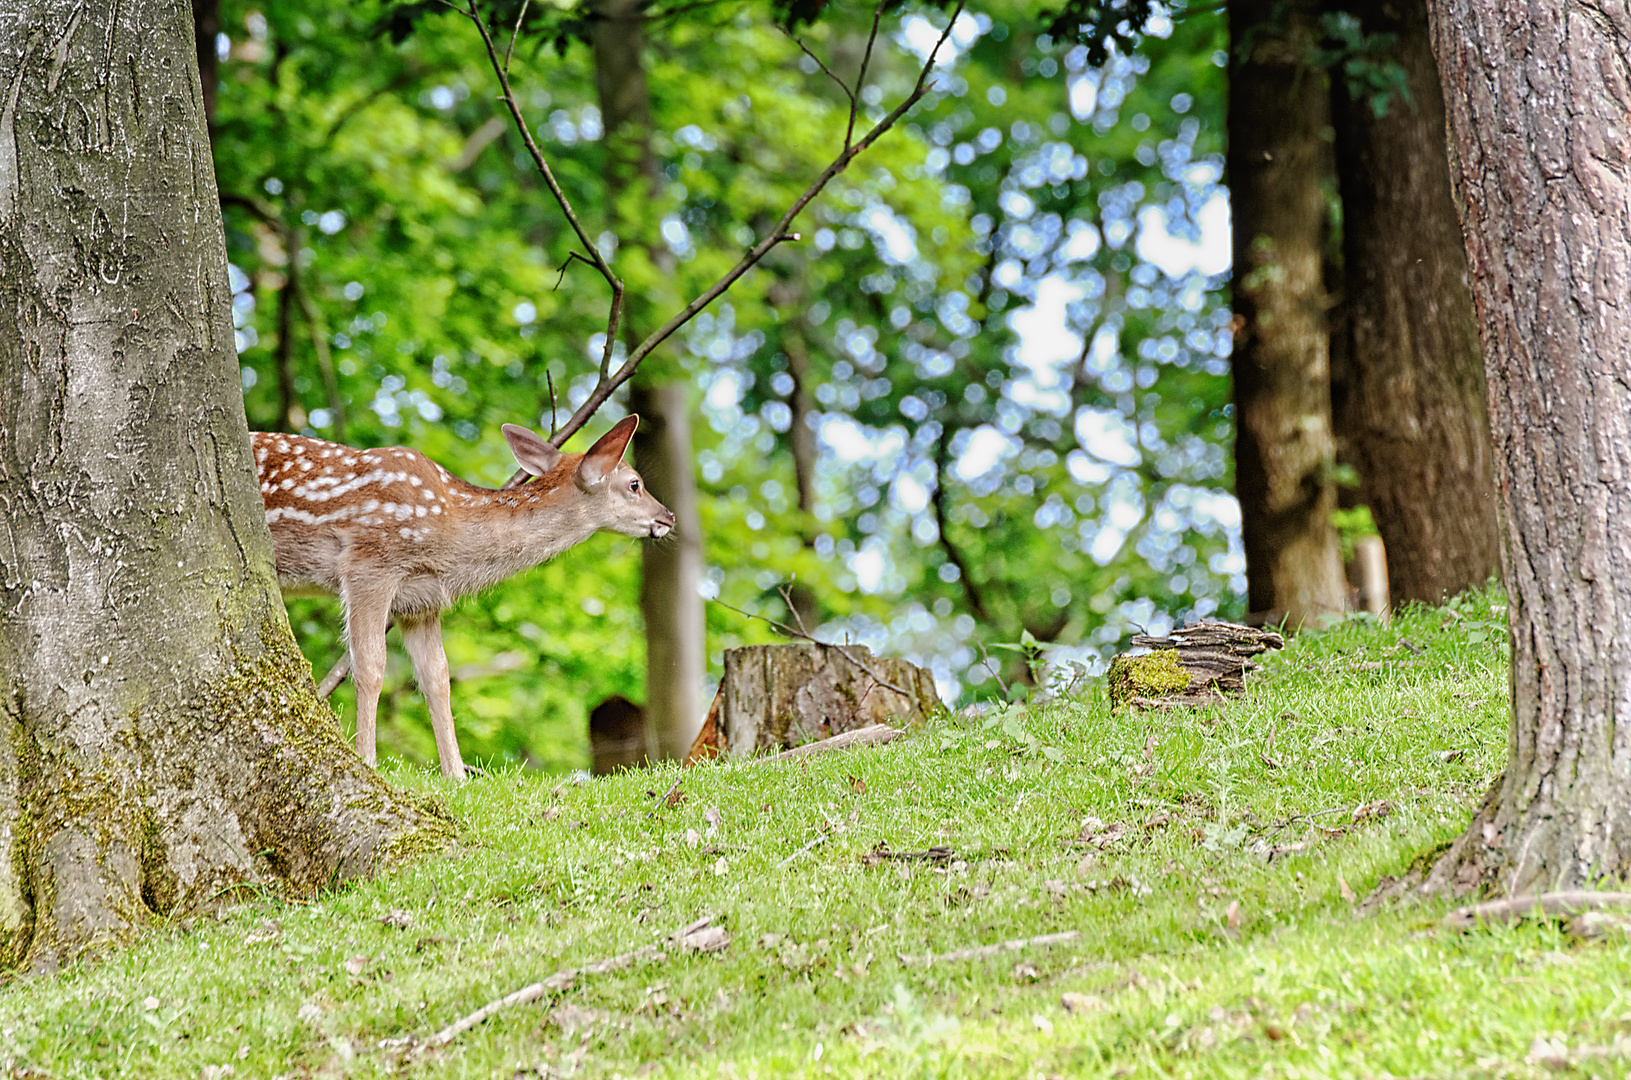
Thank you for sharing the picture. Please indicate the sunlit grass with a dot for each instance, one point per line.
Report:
(1207, 861)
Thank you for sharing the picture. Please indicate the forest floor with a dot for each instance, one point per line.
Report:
(1198, 876)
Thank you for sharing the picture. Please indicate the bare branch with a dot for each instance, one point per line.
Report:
(842, 85)
(609, 381)
(860, 76)
(842, 651)
(519, 19)
(553, 424)
(606, 386)
(501, 69)
(570, 255)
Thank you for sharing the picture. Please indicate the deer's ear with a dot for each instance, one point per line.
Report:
(530, 450)
(605, 455)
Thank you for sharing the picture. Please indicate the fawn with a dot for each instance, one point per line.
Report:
(395, 535)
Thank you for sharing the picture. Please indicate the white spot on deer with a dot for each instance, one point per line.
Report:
(419, 511)
(287, 483)
(415, 481)
(436, 509)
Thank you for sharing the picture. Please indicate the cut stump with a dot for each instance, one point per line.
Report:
(1196, 665)
(777, 697)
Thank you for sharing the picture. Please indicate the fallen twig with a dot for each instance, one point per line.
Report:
(1550, 905)
(981, 952)
(871, 735)
(939, 856)
(697, 937)
(821, 838)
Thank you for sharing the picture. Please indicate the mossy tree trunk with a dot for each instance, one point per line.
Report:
(1537, 96)
(161, 742)
(1284, 448)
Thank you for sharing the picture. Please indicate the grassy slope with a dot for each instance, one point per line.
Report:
(1197, 827)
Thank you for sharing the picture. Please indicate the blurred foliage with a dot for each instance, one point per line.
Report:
(1004, 378)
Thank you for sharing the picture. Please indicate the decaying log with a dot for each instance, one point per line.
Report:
(777, 697)
(1196, 665)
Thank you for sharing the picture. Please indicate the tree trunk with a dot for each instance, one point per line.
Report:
(1415, 421)
(1537, 96)
(160, 738)
(1278, 110)
(776, 697)
(676, 653)
(206, 25)
(788, 297)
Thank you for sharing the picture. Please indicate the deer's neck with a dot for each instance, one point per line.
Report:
(501, 533)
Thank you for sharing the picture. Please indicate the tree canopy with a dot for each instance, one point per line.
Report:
(1009, 337)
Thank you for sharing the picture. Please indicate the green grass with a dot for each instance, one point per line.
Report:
(1207, 885)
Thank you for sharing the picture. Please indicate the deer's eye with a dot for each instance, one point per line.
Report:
(634, 486)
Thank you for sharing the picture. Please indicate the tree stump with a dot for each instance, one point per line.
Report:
(1197, 665)
(776, 697)
(617, 736)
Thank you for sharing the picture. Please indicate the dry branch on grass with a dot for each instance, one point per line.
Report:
(1552, 905)
(982, 952)
(699, 936)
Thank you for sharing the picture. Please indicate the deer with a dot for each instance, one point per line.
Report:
(398, 537)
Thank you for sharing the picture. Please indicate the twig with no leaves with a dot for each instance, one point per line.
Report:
(845, 653)
(699, 936)
(609, 381)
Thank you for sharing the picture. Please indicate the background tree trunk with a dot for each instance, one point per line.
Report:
(1537, 96)
(676, 653)
(1413, 418)
(161, 738)
(1278, 110)
(676, 644)
(776, 697)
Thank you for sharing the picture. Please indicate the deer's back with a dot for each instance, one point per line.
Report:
(332, 508)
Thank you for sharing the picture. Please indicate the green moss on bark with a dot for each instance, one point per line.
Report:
(1152, 675)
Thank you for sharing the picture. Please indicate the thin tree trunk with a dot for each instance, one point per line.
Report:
(206, 25)
(676, 653)
(1537, 96)
(1414, 421)
(1283, 445)
(160, 739)
(788, 297)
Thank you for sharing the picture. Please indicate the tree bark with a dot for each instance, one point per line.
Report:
(1414, 419)
(776, 697)
(676, 647)
(788, 297)
(1278, 109)
(161, 743)
(1537, 96)
(676, 652)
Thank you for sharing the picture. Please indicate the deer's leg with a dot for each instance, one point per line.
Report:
(367, 613)
(422, 636)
